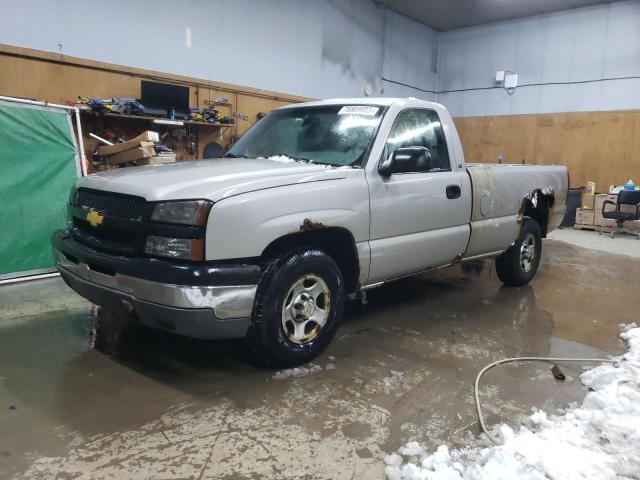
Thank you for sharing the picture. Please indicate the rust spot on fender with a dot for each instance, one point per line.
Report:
(538, 205)
(309, 224)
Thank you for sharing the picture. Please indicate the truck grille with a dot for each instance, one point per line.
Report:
(124, 224)
(112, 204)
(111, 240)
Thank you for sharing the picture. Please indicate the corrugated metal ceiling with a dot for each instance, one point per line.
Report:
(448, 14)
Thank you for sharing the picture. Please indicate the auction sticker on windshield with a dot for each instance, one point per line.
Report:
(358, 110)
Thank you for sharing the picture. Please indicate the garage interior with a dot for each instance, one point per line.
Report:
(88, 89)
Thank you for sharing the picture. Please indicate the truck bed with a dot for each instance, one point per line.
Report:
(498, 194)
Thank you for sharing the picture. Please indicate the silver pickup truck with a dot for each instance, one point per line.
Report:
(316, 201)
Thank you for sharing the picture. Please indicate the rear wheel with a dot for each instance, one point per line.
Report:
(298, 307)
(518, 265)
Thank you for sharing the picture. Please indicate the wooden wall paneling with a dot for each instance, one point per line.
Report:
(206, 135)
(603, 148)
(58, 83)
(57, 78)
(8, 51)
(250, 107)
(595, 146)
(550, 139)
(487, 137)
(632, 148)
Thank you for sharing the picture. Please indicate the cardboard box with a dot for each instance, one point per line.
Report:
(157, 160)
(588, 201)
(600, 199)
(584, 216)
(108, 150)
(145, 150)
(600, 221)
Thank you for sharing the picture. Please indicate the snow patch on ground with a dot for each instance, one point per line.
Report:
(394, 378)
(298, 372)
(599, 439)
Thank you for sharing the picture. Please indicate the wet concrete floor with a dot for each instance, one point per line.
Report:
(172, 408)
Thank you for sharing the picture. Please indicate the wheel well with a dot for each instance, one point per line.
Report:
(335, 241)
(537, 206)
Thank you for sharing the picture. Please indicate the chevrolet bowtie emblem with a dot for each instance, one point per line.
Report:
(94, 218)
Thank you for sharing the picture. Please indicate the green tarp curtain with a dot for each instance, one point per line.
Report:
(38, 166)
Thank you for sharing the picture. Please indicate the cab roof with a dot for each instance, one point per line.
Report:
(379, 101)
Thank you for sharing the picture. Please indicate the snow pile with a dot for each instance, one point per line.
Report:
(298, 372)
(281, 159)
(287, 159)
(332, 363)
(599, 439)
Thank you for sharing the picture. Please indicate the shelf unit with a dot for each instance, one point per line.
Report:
(218, 104)
(163, 121)
(200, 132)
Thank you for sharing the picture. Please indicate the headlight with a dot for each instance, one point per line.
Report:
(192, 212)
(180, 248)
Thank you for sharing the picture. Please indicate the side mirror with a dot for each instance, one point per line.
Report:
(407, 159)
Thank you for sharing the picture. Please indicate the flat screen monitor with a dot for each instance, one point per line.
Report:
(158, 98)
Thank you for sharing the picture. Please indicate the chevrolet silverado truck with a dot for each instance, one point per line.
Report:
(315, 202)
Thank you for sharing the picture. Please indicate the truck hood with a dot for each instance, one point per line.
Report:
(212, 179)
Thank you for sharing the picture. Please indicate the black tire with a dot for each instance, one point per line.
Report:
(267, 336)
(511, 266)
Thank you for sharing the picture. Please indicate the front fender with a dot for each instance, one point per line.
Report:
(243, 226)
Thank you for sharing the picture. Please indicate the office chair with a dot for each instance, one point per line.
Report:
(625, 197)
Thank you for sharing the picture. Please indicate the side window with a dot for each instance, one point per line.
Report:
(420, 128)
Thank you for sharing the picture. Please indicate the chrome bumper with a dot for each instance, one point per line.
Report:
(197, 311)
(225, 301)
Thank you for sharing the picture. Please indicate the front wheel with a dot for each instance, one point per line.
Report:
(518, 265)
(298, 307)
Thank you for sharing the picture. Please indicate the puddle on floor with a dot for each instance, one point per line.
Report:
(162, 405)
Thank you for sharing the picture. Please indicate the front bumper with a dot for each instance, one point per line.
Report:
(195, 300)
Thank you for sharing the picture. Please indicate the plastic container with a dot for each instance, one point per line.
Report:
(574, 197)
(630, 185)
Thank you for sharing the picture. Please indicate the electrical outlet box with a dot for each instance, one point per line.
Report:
(511, 81)
(499, 77)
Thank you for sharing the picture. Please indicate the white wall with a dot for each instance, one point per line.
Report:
(410, 58)
(315, 48)
(332, 48)
(571, 46)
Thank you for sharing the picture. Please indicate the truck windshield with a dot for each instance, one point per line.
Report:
(331, 135)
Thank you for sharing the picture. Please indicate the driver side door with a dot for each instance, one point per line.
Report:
(419, 219)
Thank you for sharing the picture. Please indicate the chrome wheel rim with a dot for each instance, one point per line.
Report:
(305, 309)
(527, 253)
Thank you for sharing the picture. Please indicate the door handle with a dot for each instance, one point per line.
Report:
(453, 191)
